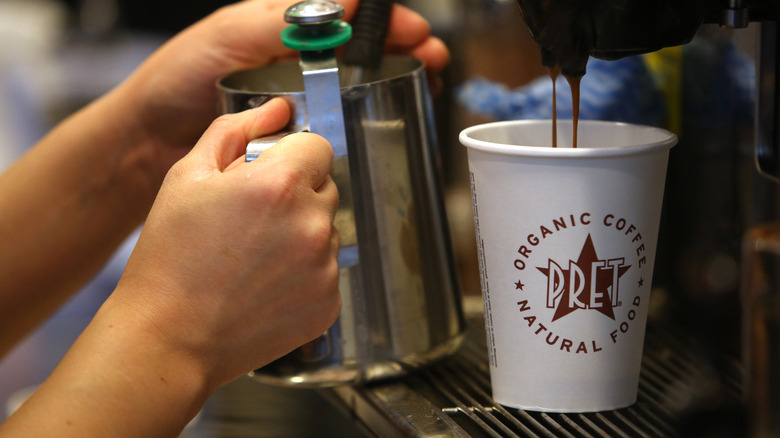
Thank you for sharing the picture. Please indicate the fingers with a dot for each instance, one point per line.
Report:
(329, 192)
(407, 28)
(436, 57)
(304, 156)
(226, 139)
(247, 31)
(409, 33)
(433, 52)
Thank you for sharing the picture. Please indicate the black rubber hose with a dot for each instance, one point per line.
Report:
(369, 29)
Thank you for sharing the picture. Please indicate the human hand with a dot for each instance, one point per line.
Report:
(235, 267)
(173, 93)
(236, 264)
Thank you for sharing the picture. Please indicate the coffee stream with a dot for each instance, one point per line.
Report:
(568, 32)
(554, 71)
(574, 84)
(564, 31)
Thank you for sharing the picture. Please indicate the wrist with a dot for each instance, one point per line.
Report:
(138, 344)
(100, 161)
(117, 372)
(139, 166)
(131, 362)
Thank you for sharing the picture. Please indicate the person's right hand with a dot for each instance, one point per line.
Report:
(236, 263)
(235, 267)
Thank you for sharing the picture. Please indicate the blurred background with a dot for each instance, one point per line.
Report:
(57, 55)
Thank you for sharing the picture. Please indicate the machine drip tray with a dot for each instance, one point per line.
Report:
(680, 390)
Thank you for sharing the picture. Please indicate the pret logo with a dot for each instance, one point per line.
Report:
(588, 283)
(602, 277)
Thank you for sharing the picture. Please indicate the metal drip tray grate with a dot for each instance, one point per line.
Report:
(452, 398)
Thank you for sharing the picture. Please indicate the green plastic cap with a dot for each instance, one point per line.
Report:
(309, 38)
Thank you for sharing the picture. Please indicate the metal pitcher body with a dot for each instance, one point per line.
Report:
(401, 305)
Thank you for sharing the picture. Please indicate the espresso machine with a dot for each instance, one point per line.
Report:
(719, 189)
(569, 32)
(722, 183)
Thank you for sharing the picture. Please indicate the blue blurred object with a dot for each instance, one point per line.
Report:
(714, 76)
(622, 90)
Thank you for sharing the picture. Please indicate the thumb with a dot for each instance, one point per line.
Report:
(226, 139)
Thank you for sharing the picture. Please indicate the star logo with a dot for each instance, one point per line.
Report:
(588, 283)
(519, 285)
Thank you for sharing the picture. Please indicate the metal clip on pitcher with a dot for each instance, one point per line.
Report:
(400, 303)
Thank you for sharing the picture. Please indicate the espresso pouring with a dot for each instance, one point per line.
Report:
(562, 30)
(568, 32)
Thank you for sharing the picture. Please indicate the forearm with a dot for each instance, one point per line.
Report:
(117, 380)
(64, 208)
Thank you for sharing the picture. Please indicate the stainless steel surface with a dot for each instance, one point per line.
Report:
(326, 117)
(260, 145)
(313, 12)
(452, 397)
(735, 15)
(400, 301)
(321, 74)
(246, 408)
(323, 101)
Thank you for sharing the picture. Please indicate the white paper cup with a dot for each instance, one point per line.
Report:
(548, 221)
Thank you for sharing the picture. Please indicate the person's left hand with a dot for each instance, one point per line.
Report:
(173, 95)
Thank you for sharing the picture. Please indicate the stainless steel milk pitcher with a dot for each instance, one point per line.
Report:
(401, 305)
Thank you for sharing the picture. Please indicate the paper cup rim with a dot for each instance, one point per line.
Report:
(667, 142)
